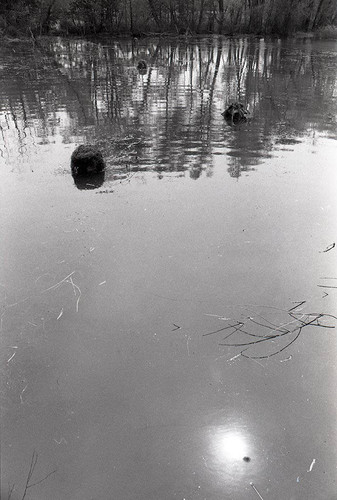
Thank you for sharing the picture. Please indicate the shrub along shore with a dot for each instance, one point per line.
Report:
(168, 17)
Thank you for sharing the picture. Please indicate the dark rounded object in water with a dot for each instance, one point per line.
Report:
(235, 113)
(142, 65)
(86, 160)
(246, 459)
(87, 182)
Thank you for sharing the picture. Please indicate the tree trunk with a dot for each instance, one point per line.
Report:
(221, 16)
(131, 16)
(318, 13)
(45, 23)
(154, 13)
(201, 15)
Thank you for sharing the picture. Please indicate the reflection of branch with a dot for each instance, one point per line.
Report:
(50, 56)
(32, 466)
(216, 71)
(148, 80)
(168, 81)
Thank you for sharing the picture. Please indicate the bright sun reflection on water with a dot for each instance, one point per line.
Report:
(233, 455)
(229, 446)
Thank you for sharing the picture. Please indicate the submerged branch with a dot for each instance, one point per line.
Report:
(290, 330)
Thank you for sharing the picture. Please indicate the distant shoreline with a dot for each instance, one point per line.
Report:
(326, 33)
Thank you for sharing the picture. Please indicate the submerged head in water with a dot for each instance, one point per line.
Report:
(86, 160)
(235, 113)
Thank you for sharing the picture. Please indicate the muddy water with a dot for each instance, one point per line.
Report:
(120, 295)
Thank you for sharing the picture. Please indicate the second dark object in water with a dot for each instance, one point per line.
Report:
(86, 160)
(235, 113)
(142, 66)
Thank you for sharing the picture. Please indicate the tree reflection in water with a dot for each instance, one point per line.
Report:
(168, 119)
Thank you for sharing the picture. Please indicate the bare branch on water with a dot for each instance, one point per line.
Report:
(298, 304)
(328, 248)
(289, 330)
(32, 466)
(221, 329)
(58, 284)
(256, 491)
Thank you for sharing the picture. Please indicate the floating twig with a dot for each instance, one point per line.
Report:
(322, 326)
(258, 323)
(33, 463)
(328, 248)
(23, 390)
(221, 329)
(276, 329)
(298, 304)
(289, 343)
(256, 491)
(12, 356)
(61, 312)
(276, 352)
(217, 316)
(42, 275)
(312, 464)
(286, 359)
(322, 314)
(234, 331)
(79, 291)
(43, 479)
(62, 440)
(234, 357)
(289, 331)
(59, 283)
(187, 344)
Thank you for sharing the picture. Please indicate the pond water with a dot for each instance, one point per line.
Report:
(168, 329)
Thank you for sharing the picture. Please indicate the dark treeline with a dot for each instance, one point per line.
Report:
(140, 17)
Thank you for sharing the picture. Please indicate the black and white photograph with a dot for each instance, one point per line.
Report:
(168, 273)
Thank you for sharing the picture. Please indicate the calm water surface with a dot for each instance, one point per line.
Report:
(121, 294)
